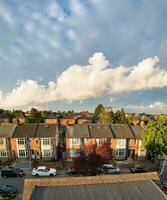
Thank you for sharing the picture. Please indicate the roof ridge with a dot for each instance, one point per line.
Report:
(133, 133)
(37, 125)
(112, 131)
(90, 135)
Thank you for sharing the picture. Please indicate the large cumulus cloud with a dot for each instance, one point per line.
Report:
(97, 78)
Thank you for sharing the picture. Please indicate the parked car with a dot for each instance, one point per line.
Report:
(138, 169)
(8, 191)
(110, 169)
(71, 171)
(164, 184)
(43, 171)
(11, 172)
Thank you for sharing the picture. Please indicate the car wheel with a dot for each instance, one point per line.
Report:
(36, 174)
(51, 174)
(4, 176)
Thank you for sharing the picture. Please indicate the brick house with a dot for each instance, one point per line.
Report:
(35, 141)
(51, 119)
(141, 152)
(20, 141)
(48, 139)
(68, 119)
(125, 140)
(84, 117)
(6, 132)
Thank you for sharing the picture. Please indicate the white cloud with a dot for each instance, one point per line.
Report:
(78, 83)
(55, 11)
(6, 15)
(155, 107)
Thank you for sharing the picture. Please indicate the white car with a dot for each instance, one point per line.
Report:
(110, 169)
(43, 171)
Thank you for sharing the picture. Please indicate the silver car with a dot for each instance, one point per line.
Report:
(110, 169)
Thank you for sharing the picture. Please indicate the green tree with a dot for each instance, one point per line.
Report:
(155, 138)
(120, 118)
(106, 117)
(34, 117)
(99, 109)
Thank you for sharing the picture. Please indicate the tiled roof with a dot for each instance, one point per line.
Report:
(7, 130)
(141, 190)
(78, 131)
(46, 130)
(118, 131)
(51, 116)
(100, 131)
(121, 131)
(125, 187)
(70, 115)
(137, 130)
(25, 130)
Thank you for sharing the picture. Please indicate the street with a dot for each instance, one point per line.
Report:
(19, 182)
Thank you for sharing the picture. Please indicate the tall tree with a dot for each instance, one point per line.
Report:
(106, 117)
(99, 109)
(155, 138)
(119, 117)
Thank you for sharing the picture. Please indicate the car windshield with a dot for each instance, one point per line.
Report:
(17, 169)
(47, 168)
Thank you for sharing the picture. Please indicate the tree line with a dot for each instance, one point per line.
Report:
(107, 116)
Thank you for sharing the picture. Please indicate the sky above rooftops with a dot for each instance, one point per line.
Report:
(74, 54)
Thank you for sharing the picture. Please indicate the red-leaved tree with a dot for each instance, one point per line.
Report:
(91, 158)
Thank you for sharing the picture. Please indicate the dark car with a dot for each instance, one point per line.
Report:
(11, 172)
(138, 169)
(164, 184)
(8, 192)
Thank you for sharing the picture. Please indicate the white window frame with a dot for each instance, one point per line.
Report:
(121, 142)
(21, 141)
(101, 141)
(47, 153)
(4, 154)
(75, 141)
(46, 141)
(22, 153)
(119, 154)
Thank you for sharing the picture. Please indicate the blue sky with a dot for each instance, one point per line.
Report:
(46, 47)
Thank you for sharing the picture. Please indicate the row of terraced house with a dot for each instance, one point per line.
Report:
(41, 141)
(35, 141)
